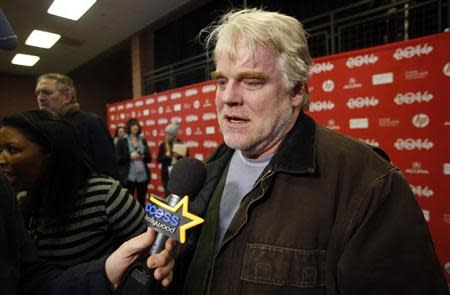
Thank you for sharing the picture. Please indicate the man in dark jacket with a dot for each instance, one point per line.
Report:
(22, 272)
(291, 207)
(57, 92)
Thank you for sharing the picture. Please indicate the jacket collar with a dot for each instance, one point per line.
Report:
(297, 152)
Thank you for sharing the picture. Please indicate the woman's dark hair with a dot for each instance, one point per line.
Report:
(116, 133)
(131, 122)
(67, 169)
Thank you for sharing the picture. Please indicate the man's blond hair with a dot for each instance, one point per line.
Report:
(283, 35)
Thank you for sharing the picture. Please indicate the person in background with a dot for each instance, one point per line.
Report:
(73, 213)
(119, 133)
(22, 272)
(133, 156)
(167, 157)
(57, 92)
(292, 207)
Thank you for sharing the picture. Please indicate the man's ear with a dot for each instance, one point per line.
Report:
(68, 97)
(297, 95)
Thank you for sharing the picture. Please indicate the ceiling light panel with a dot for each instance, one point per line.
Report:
(71, 9)
(42, 39)
(25, 59)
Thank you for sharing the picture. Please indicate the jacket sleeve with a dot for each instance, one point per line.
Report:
(147, 154)
(101, 147)
(387, 248)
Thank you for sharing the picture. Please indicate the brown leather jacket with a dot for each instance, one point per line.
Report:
(328, 216)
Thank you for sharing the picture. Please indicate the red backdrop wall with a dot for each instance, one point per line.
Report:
(394, 96)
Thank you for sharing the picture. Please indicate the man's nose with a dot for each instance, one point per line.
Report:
(231, 95)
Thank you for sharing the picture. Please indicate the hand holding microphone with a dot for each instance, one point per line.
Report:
(170, 218)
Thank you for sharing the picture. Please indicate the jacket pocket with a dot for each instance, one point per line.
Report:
(266, 264)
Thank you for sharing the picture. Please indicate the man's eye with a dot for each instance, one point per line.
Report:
(253, 82)
(221, 81)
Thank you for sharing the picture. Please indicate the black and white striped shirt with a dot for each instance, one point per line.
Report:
(105, 217)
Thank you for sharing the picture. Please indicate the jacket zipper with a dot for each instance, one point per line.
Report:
(264, 177)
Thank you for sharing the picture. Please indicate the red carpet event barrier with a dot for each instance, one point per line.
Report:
(393, 96)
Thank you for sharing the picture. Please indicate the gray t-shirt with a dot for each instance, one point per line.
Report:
(242, 175)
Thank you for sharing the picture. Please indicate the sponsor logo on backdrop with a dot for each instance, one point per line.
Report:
(317, 106)
(370, 141)
(446, 168)
(175, 95)
(361, 60)
(446, 218)
(150, 101)
(112, 109)
(196, 104)
(359, 123)
(177, 107)
(154, 132)
(331, 124)
(328, 85)
(153, 111)
(422, 191)
(207, 103)
(447, 123)
(120, 107)
(420, 120)
(154, 176)
(415, 74)
(192, 144)
(362, 102)
(176, 119)
(152, 165)
(210, 144)
(209, 116)
(168, 109)
(322, 67)
(186, 106)
(199, 157)
(188, 131)
(146, 112)
(410, 144)
(416, 168)
(198, 131)
(161, 110)
(352, 84)
(411, 51)
(122, 116)
(150, 122)
(151, 187)
(160, 189)
(129, 105)
(208, 88)
(413, 97)
(191, 92)
(426, 215)
(446, 69)
(112, 117)
(162, 98)
(210, 130)
(133, 114)
(139, 103)
(383, 78)
(112, 126)
(191, 118)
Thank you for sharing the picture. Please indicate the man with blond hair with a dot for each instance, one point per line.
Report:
(57, 92)
(291, 207)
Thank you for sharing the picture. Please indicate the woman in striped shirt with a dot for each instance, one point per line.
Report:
(73, 213)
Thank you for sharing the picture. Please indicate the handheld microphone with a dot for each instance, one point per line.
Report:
(8, 39)
(170, 218)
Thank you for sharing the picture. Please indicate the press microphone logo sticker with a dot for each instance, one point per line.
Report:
(171, 221)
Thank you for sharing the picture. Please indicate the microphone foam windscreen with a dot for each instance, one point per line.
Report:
(8, 40)
(187, 177)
